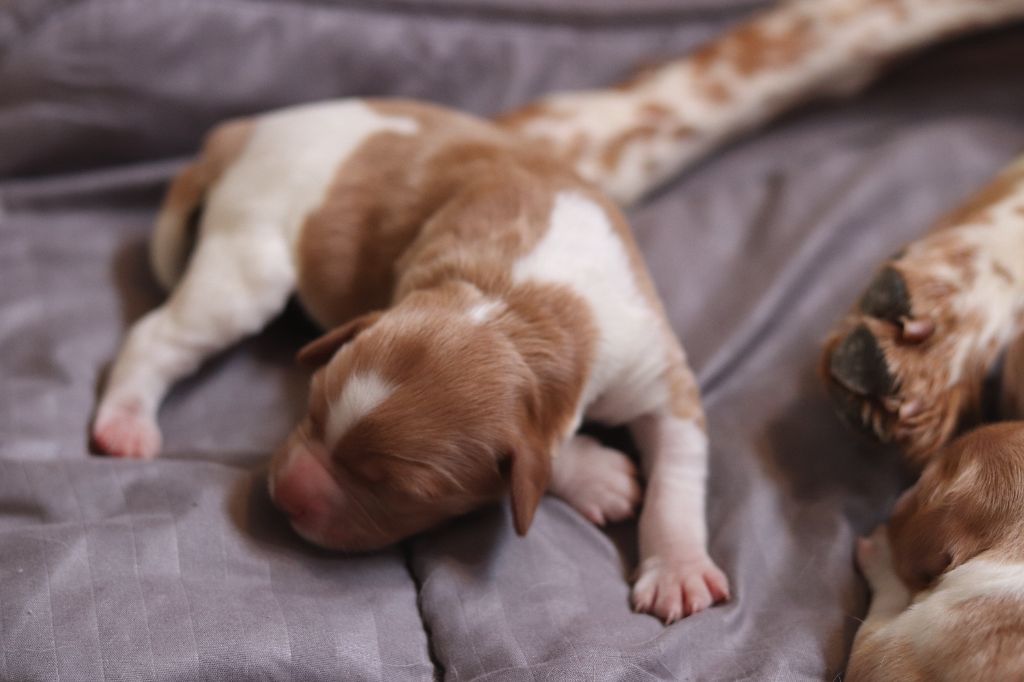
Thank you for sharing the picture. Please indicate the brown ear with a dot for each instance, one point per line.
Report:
(529, 475)
(319, 351)
(925, 545)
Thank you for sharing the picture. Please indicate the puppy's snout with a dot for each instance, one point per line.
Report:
(290, 503)
(302, 488)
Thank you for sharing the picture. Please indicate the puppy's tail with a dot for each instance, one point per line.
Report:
(631, 138)
(180, 218)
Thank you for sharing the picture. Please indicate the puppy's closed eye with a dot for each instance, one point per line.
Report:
(371, 469)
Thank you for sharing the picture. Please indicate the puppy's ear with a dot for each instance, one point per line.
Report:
(927, 540)
(319, 351)
(529, 473)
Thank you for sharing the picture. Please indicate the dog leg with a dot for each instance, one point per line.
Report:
(875, 653)
(676, 577)
(631, 138)
(908, 364)
(889, 596)
(237, 281)
(598, 482)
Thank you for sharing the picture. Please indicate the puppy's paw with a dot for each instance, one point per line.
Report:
(598, 482)
(125, 431)
(874, 557)
(907, 365)
(672, 590)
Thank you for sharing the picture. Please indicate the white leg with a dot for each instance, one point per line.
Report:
(236, 282)
(889, 596)
(880, 650)
(676, 577)
(598, 482)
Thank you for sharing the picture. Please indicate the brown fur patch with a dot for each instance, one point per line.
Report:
(755, 47)
(519, 118)
(967, 501)
(612, 153)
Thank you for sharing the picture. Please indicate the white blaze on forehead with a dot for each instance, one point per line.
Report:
(363, 392)
(485, 310)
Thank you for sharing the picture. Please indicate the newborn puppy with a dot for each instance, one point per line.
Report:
(947, 575)
(482, 300)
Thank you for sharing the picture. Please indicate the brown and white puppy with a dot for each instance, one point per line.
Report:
(947, 574)
(482, 300)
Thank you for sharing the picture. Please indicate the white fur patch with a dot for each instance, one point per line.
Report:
(361, 395)
(582, 251)
(925, 622)
(289, 163)
(485, 310)
(674, 453)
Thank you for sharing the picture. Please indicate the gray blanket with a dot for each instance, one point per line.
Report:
(181, 569)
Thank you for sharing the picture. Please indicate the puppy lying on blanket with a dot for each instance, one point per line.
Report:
(481, 299)
(947, 574)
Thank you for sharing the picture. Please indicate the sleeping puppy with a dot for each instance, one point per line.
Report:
(947, 575)
(481, 299)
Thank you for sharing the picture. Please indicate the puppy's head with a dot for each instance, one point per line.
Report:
(969, 499)
(416, 415)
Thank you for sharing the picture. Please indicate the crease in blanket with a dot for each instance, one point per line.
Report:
(102, 184)
(27, 16)
(439, 672)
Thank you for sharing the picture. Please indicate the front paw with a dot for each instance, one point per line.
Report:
(672, 590)
(124, 430)
(908, 364)
(874, 557)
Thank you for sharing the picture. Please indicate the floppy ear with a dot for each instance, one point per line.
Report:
(529, 475)
(926, 543)
(319, 351)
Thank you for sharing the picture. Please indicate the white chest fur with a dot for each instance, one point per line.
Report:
(582, 251)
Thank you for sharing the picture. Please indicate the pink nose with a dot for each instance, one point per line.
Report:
(303, 489)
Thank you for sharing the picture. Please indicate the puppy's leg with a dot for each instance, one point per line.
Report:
(889, 596)
(631, 138)
(873, 648)
(908, 364)
(676, 577)
(598, 482)
(237, 280)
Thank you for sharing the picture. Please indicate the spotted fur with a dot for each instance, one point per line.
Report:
(629, 139)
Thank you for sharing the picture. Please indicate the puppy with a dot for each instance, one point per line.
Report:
(481, 299)
(947, 575)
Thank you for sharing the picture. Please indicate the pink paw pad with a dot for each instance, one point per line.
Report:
(126, 433)
(672, 591)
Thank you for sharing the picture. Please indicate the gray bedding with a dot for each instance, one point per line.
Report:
(181, 569)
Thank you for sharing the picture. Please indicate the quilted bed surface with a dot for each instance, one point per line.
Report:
(181, 569)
